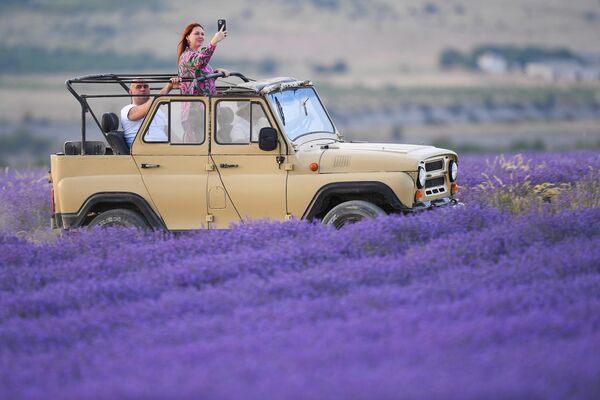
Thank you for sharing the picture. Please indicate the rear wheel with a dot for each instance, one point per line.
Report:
(351, 212)
(121, 218)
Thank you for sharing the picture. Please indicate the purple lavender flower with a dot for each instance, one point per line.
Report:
(468, 302)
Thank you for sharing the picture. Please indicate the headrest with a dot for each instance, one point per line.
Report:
(110, 122)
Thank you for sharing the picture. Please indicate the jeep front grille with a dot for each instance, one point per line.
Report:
(434, 182)
(438, 190)
(434, 165)
(435, 186)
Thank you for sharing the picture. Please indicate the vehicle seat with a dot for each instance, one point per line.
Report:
(114, 137)
(94, 148)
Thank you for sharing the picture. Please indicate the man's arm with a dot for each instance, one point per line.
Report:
(139, 112)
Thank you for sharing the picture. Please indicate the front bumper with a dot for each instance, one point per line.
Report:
(430, 205)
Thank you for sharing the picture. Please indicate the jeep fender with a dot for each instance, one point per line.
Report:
(351, 191)
(76, 220)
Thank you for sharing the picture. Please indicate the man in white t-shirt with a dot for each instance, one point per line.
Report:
(241, 127)
(133, 114)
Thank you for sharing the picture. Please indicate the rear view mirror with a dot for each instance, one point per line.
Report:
(267, 139)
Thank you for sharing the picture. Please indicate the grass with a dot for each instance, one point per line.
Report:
(513, 190)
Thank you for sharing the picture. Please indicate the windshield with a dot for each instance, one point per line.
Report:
(300, 112)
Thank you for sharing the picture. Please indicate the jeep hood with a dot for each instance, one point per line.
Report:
(373, 157)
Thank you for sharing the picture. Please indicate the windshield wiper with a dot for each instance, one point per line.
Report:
(304, 105)
(321, 138)
(280, 109)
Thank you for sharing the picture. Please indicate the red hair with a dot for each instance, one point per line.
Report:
(183, 44)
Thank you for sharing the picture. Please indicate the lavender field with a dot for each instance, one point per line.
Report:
(499, 298)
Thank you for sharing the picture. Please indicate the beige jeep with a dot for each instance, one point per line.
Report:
(256, 150)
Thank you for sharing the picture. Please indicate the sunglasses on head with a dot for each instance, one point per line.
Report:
(141, 86)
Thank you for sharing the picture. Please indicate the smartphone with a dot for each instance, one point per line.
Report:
(221, 24)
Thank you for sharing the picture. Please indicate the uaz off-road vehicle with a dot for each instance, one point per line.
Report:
(256, 150)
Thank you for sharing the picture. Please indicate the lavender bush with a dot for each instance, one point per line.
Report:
(24, 201)
(523, 183)
(481, 301)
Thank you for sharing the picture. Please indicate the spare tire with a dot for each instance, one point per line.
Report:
(120, 217)
(350, 212)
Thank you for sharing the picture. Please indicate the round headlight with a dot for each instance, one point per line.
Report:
(421, 178)
(453, 168)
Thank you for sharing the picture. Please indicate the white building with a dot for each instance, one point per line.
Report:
(492, 63)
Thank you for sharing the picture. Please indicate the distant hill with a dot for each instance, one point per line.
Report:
(298, 37)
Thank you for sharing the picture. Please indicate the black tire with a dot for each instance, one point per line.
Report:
(121, 218)
(351, 212)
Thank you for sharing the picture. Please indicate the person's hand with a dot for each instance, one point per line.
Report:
(225, 72)
(175, 82)
(220, 35)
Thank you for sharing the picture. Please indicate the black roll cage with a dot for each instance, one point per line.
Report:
(122, 80)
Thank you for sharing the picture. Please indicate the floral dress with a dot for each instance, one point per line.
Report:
(194, 64)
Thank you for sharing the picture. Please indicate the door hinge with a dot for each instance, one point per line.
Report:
(210, 218)
(289, 167)
(210, 167)
(289, 217)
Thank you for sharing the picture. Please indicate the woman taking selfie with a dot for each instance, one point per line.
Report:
(193, 59)
(193, 63)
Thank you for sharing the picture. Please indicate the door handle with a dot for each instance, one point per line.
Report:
(150, 165)
(225, 165)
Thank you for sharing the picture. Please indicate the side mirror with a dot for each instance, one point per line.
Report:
(267, 139)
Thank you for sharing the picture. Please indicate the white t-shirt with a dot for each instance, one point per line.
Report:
(240, 133)
(157, 131)
(241, 129)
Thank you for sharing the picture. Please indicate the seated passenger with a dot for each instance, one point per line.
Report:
(241, 129)
(224, 124)
(133, 114)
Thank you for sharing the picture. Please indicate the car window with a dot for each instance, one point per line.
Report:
(239, 122)
(158, 130)
(259, 120)
(177, 122)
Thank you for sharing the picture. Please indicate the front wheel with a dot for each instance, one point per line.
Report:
(350, 212)
(120, 218)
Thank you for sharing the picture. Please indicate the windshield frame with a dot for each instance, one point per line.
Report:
(275, 105)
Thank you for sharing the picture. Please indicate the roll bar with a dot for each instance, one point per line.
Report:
(122, 80)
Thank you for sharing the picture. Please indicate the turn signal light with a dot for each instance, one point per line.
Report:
(454, 188)
(314, 166)
(418, 195)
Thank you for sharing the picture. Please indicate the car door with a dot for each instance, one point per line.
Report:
(173, 164)
(247, 183)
